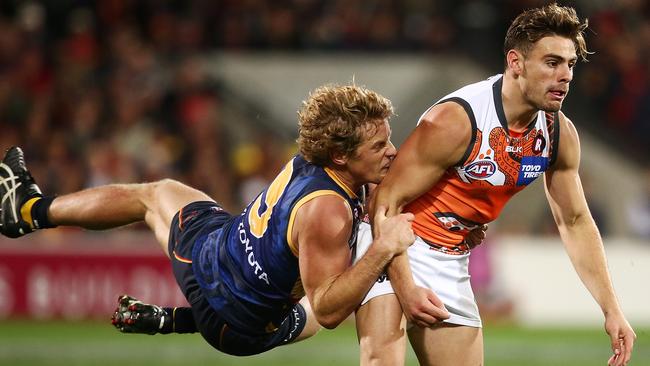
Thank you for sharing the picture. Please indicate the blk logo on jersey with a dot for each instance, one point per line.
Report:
(481, 169)
(531, 168)
(514, 149)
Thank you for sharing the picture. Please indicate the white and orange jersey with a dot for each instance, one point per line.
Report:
(497, 164)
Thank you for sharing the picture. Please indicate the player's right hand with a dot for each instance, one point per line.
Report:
(622, 338)
(395, 232)
(422, 307)
(476, 236)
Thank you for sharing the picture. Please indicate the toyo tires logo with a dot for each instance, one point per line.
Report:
(481, 169)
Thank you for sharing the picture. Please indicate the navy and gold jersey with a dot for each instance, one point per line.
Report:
(251, 263)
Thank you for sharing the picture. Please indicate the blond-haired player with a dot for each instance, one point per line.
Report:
(246, 275)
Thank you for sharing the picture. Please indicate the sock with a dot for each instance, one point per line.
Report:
(37, 217)
(180, 321)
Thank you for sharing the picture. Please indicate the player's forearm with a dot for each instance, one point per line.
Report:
(335, 300)
(585, 248)
(400, 275)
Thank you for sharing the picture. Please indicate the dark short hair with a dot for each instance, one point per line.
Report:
(550, 20)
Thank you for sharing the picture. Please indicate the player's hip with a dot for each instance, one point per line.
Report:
(447, 275)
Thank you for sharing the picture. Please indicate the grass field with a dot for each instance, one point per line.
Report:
(32, 343)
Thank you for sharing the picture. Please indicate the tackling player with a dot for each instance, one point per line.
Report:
(245, 275)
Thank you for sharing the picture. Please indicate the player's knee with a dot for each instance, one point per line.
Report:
(166, 185)
(175, 192)
(380, 359)
(152, 194)
(376, 351)
(154, 191)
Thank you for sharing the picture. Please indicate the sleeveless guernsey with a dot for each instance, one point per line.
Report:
(497, 164)
(251, 263)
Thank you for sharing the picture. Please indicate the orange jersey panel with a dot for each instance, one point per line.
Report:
(445, 214)
(497, 164)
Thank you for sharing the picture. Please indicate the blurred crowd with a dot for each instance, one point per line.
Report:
(114, 90)
(616, 81)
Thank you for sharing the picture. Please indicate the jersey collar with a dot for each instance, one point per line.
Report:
(340, 183)
(498, 107)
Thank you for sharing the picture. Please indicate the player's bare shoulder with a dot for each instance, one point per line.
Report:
(569, 146)
(322, 216)
(448, 125)
(448, 116)
(567, 128)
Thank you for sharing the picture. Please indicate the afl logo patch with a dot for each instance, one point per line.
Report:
(539, 144)
(481, 169)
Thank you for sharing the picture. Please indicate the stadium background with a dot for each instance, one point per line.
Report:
(206, 92)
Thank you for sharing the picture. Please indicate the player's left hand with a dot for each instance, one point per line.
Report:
(476, 236)
(622, 337)
(422, 307)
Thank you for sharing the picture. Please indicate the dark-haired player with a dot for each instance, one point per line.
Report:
(471, 151)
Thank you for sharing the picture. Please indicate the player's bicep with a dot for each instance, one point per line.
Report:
(323, 227)
(562, 182)
(438, 142)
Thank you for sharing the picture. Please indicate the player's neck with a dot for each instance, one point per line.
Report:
(344, 179)
(518, 112)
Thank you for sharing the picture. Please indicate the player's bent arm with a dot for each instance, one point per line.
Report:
(334, 289)
(582, 240)
(437, 143)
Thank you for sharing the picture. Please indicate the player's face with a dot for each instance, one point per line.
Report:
(548, 71)
(370, 163)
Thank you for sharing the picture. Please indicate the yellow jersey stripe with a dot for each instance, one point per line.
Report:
(293, 246)
(340, 183)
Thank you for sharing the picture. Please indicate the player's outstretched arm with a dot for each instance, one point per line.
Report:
(583, 242)
(439, 142)
(322, 229)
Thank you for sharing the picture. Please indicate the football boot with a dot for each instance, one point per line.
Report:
(134, 316)
(17, 186)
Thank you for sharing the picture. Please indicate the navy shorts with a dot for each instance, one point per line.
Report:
(191, 223)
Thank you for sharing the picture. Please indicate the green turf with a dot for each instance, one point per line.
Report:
(80, 343)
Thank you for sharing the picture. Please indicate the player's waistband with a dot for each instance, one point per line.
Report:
(458, 249)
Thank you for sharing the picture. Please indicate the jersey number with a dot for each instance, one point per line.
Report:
(259, 222)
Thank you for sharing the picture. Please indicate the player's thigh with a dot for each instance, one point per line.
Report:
(166, 197)
(163, 199)
(447, 345)
(381, 329)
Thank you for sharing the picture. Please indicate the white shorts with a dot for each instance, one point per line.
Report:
(445, 274)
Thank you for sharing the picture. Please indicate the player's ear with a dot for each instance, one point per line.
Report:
(515, 61)
(339, 158)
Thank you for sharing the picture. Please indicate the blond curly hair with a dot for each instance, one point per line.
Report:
(335, 118)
